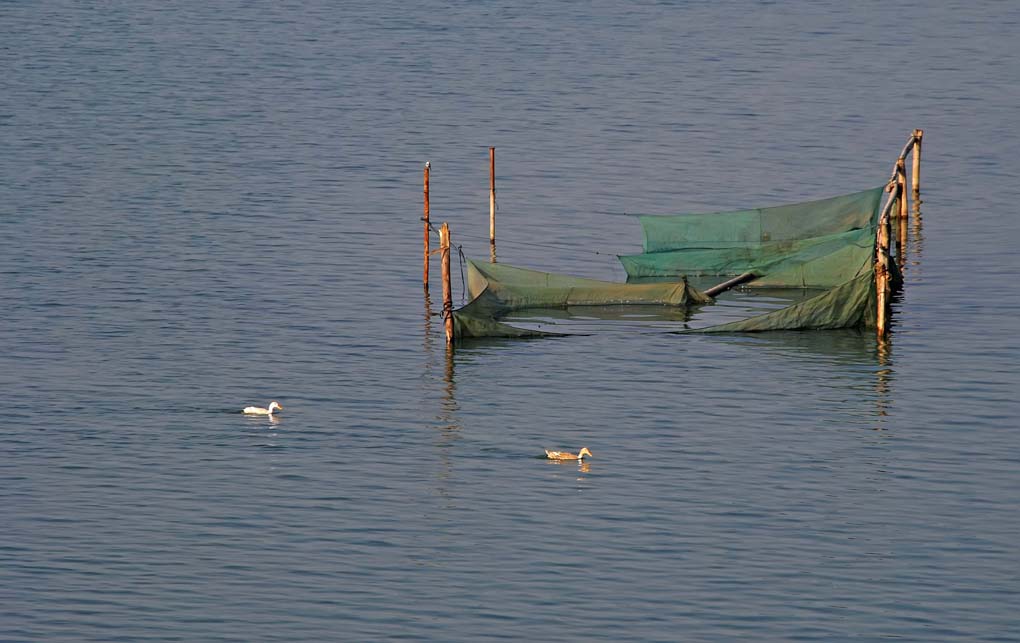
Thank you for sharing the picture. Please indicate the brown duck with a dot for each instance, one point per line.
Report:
(561, 455)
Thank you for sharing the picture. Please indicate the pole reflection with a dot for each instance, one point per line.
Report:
(427, 339)
(448, 406)
(883, 380)
(917, 230)
(440, 368)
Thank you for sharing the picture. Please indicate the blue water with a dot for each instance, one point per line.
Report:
(210, 205)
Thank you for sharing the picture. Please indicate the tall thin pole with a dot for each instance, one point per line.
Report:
(901, 180)
(882, 241)
(916, 178)
(901, 243)
(425, 273)
(444, 257)
(492, 196)
(881, 278)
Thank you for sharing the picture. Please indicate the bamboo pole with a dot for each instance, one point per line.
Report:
(901, 243)
(444, 256)
(492, 198)
(915, 180)
(901, 180)
(906, 148)
(425, 272)
(882, 286)
(731, 283)
(882, 278)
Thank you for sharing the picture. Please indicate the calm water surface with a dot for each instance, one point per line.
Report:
(208, 205)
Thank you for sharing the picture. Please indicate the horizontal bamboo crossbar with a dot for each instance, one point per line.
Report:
(726, 285)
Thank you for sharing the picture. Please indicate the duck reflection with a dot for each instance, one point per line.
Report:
(582, 466)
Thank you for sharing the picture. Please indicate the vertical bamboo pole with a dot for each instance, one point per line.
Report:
(881, 277)
(901, 243)
(492, 198)
(444, 257)
(425, 272)
(902, 207)
(916, 178)
(882, 293)
(882, 262)
(901, 180)
(897, 194)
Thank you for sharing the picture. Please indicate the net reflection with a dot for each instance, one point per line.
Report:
(594, 319)
(855, 370)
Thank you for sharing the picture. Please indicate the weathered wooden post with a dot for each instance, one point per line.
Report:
(881, 278)
(901, 243)
(444, 257)
(916, 178)
(901, 209)
(901, 180)
(425, 273)
(882, 287)
(492, 202)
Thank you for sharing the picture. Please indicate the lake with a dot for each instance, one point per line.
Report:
(210, 205)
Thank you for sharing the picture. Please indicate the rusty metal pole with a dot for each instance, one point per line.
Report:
(425, 277)
(492, 199)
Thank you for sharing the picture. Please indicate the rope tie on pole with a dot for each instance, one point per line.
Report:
(431, 227)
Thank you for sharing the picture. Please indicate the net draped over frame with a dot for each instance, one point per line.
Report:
(827, 244)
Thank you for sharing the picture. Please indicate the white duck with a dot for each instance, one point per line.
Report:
(258, 410)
